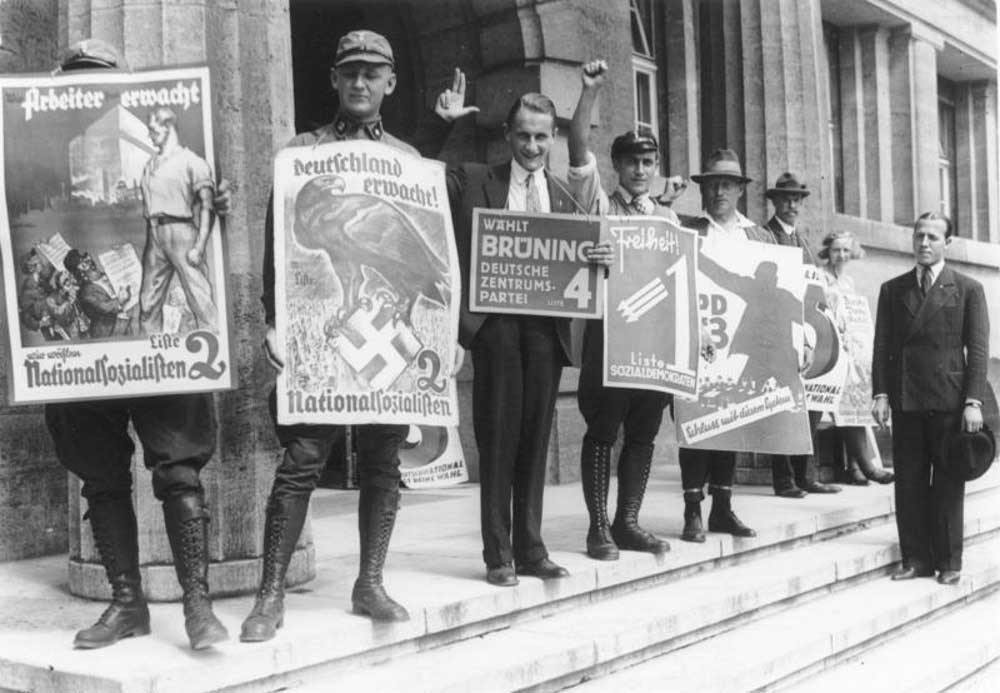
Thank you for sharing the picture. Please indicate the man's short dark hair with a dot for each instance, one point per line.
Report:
(534, 102)
(72, 261)
(949, 229)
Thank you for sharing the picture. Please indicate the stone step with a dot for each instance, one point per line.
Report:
(734, 628)
(435, 570)
(790, 650)
(983, 680)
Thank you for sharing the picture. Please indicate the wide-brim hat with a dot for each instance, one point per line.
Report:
(969, 455)
(722, 163)
(364, 47)
(787, 183)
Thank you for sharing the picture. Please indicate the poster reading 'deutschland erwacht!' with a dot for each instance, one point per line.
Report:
(367, 286)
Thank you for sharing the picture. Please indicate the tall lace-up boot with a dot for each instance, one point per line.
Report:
(116, 536)
(633, 474)
(377, 509)
(595, 470)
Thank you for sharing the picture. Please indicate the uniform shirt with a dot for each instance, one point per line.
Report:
(585, 185)
(171, 183)
(517, 193)
(338, 131)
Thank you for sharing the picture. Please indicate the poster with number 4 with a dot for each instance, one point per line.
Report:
(651, 320)
(534, 264)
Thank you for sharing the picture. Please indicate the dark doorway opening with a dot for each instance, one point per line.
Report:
(317, 25)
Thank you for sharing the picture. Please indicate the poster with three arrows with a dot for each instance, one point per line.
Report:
(651, 317)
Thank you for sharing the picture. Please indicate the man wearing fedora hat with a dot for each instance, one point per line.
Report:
(363, 74)
(635, 157)
(722, 185)
(929, 370)
(793, 476)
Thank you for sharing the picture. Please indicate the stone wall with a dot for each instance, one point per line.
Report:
(32, 484)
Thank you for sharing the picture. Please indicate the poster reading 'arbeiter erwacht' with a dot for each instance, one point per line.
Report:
(113, 266)
(367, 286)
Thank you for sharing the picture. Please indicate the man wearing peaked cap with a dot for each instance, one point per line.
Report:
(722, 185)
(177, 433)
(635, 157)
(363, 74)
(793, 476)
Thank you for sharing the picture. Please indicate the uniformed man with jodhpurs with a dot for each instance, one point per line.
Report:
(178, 435)
(363, 74)
(635, 157)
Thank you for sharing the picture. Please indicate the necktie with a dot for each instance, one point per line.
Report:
(925, 280)
(531, 201)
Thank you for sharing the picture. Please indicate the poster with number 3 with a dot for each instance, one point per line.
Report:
(651, 315)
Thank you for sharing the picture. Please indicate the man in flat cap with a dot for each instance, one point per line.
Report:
(363, 74)
(722, 185)
(635, 157)
(178, 435)
(793, 476)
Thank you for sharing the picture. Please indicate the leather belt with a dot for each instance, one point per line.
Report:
(163, 219)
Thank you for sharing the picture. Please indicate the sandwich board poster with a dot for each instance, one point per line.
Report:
(534, 264)
(367, 286)
(824, 379)
(112, 258)
(651, 324)
(751, 397)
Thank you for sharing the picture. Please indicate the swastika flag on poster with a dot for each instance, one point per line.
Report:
(750, 396)
(367, 286)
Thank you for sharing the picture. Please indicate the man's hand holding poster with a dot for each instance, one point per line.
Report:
(651, 320)
(534, 264)
(751, 396)
(86, 270)
(824, 379)
(367, 286)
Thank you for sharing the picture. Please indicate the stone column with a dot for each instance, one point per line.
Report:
(681, 146)
(983, 102)
(247, 45)
(787, 104)
(914, 106)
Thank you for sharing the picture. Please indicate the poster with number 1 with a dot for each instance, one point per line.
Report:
(651, 316)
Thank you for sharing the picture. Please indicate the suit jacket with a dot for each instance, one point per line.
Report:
(700, 224)
(101, 308)
(477, 185)
(796, 239)
(931, 354)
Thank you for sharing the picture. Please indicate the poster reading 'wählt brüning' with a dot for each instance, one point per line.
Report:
(113, 268)
(367, 286)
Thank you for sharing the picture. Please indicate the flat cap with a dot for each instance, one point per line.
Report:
(90, 52)
(365, 47)
(633, 142)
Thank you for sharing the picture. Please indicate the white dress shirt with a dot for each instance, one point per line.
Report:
(517, 193)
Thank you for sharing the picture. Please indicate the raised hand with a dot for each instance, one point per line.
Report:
(450, 104)
(593, 73)
(672, 189)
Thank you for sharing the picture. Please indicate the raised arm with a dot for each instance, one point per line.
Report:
(592, 78)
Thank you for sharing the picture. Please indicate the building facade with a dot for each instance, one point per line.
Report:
(885, 108)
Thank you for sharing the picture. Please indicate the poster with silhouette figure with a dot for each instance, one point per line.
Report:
(825, 376)
(112, 258)
(750, 394)
(367, 286)
(651, 320)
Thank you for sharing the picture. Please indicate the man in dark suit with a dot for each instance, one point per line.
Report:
(793, 476)
(518, 359)
(722, 185)
(929, 371)
(98, 299)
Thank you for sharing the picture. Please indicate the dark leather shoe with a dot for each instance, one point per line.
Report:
(817, 487)
(909, 572)
(502, 575)
(542, 568)
(793, 492)
(949, 577)
(727, 523)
